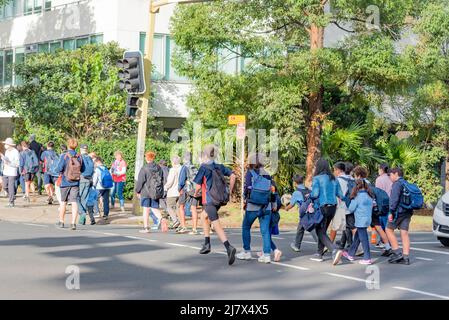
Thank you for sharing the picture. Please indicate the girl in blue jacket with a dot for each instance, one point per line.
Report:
(362, 206)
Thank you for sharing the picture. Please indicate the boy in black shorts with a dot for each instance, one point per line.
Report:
(203, 181)
(399, 218)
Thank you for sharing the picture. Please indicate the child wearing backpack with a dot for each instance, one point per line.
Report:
(405, 198)
(29, 166)
(102, 181)
(92, 205)
(50, 161)
(299, 196)
(362, 206)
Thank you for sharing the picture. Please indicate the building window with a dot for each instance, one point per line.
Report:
(9, 10)
(171, 72)
(9, 56)
(55, 46)
(81, 42)
(20, 58)
(69, 44)
(2, 56)
(47, 5)
(43, 47)
(96, 39)
(159, 70)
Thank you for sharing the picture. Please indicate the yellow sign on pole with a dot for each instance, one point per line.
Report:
(237, 119)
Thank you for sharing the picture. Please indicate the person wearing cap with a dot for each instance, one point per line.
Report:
(11, 162)
(85, 182)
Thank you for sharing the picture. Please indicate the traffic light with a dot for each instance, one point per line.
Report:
(132, 106)
(132, 72)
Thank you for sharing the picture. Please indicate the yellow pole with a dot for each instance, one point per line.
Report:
(145, 100)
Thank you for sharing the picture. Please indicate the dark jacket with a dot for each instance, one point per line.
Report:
(144, 177)
(37, 148)
(396, 197)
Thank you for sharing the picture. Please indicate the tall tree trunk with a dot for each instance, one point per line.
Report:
(315, 110)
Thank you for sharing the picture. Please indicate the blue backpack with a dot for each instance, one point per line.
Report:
(31, 163)
(412, 197)
(310, 220)
(261, 189)
(51, 164)
(106, 178)
(382, 206)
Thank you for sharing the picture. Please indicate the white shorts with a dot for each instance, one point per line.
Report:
(339, 221)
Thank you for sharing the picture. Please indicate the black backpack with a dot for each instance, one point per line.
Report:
(382, 202)
(219, 191)
(305, 192)
(154, 184)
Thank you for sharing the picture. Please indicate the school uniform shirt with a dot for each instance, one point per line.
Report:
(171, 187)
(118, 171)
(362, 207)
(62, 165)
(396, 197)
(204, 178)
(297, 196)
(11, 162)
(44, 158)
(384, 182)
(96, 180)
(343, 181)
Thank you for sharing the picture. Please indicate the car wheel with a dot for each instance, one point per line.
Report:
(444, 241)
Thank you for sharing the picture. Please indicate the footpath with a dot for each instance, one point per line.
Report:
(38, 211)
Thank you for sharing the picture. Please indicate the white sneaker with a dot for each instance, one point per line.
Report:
(244, 255)
(264, 259)
(277, 255)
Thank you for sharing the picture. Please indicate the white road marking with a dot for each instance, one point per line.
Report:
(35, 225)
(424, 259)
(423, 293)
(345, 277)
(430, 251)
(426, 242)
(111, 234)
(290, 266)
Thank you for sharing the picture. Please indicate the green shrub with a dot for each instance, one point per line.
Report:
(106, 149)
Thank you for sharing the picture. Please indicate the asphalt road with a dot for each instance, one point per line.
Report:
(117, 262)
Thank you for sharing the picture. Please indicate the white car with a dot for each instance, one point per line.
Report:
(441, 220)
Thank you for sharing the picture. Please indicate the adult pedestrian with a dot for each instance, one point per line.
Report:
(70, 168)
(85, 182)
(171, 189)
(59, 179)
(29, 166)
(150, 189)
(118, 170)
(255, 209)
(103, 182)
(11, 163)
(50, 160)
(325, 190)
(38, 149)
(214, 192)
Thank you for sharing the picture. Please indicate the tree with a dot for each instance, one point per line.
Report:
(70, 93)
(289, 71)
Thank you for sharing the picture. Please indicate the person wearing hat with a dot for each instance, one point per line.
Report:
(11, 160)
(85, 182)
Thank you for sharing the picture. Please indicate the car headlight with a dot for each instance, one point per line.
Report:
(440, 205)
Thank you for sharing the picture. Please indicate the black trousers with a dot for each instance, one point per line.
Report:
(321, 230)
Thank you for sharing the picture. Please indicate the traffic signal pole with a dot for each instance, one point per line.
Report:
(145, 100)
